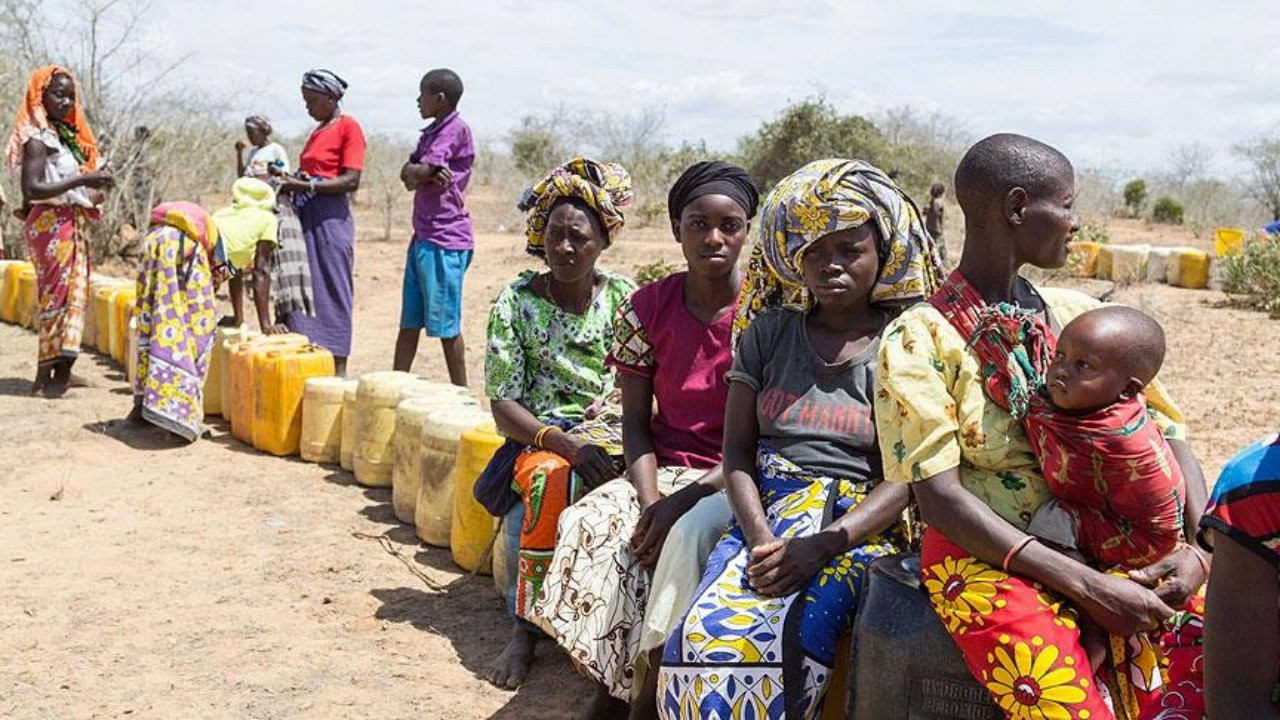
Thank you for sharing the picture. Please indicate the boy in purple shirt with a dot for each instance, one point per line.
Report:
(438, 172)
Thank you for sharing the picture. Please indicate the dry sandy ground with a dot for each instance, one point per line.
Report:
(143, 578)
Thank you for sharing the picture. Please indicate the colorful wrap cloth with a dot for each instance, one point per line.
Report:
(739, 654)
(1019, 639)
(1112, 469)
(176, 317)
(824, 197)
(57, 239)
(604, 187)
(31, 120)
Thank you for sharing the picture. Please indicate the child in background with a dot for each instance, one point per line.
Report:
(934, 213)
(248, 231)
(438, 172)
(261, 158)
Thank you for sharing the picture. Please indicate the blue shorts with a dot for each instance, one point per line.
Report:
(432, 295)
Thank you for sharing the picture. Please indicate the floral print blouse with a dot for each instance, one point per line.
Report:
(932, 414)
(550, 361)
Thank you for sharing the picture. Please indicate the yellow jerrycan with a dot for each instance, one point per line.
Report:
(222, 356)
(123, 305)
(472, 526)
(432, 509)
(89, 336)
(411, 417)
(347, 448)
(377, 396)
(242, 366)
(321, 440)
(10, 287)
(217, 368)
(1189, 268)
(27, 297)
(1129, 263)
(102, 307)
(1082, 258)
(279, 377)
(131, 353)
(1228, 241)
(1104, 263)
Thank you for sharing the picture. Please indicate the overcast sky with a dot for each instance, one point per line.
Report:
(1111, 83)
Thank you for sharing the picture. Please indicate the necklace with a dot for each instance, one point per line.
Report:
(551, 290)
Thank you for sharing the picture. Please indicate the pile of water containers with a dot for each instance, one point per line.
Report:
(1183, 267)
(427, 441)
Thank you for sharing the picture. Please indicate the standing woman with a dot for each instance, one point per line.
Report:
(329, 166)
(54, 149)
(176, 318)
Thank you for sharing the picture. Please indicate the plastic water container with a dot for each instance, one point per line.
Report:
(1082, 258)
(241, 367)
(411, 416)
(904, 663)
(27, 297)
(1104, 263)
(131, 353)
(430, 507)
(1188, 268)
(1227, 241)
(102, 306)
(347, 450)
(1158, 264)
(222, 357)
(9, 288)
(278, 380)
(217, 368)
(123, 304)
(376, 399)
(321, 440)
(1129, 263)
(472, 526)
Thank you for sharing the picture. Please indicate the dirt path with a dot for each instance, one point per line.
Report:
(143, 578)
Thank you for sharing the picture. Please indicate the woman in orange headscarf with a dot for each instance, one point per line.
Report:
(54, 149)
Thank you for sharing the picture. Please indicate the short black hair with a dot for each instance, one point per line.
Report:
(997, 164)
(1135, 341)
(446, 82)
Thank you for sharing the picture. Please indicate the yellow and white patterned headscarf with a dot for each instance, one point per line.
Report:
(604, 187)
(824, 197)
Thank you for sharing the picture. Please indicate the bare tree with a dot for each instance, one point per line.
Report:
(1262, 156)
(1189, 162)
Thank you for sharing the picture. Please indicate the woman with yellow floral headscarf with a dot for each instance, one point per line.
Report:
(176, 316)
(545, 376)
(54, 150)
(840, 247)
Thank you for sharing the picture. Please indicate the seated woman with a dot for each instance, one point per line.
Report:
(176, 318)
(672, 344)
(1009, 601)
(545, 372)
(801, 462)
(1241, 624)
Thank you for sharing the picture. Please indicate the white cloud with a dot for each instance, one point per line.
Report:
(1108, 82)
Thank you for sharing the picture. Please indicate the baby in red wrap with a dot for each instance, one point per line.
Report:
(1117, 487)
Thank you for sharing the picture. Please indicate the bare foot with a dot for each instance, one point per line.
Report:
(509, 669)
(604, 706)
(43, 375)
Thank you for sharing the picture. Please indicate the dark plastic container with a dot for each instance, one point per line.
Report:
(904, 665)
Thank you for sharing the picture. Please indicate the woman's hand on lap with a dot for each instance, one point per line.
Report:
(589, 460)
(784, 566)
(656, 521)
(1122, 606)
(1175, 577)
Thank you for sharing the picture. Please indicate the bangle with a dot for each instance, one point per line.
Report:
(313, 185)
(539, 436)
(1013, 551)
(1204, 563)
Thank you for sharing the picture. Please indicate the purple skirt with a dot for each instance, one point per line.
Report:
(330, 235)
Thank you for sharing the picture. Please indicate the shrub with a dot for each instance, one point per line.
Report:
(654, 271)
(1254, 274)
(1167, 211)
(1093, 232)
(1135, 196)
(807, 131)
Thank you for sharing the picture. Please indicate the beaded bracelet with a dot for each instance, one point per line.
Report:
(1013, 551)
(1204, 563)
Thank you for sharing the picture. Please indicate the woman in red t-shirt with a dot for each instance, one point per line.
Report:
(328, 171)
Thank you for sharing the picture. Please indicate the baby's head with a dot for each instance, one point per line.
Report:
(1104, 356)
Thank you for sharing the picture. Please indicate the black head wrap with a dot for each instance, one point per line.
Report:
(325, 81)
(712, 177)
